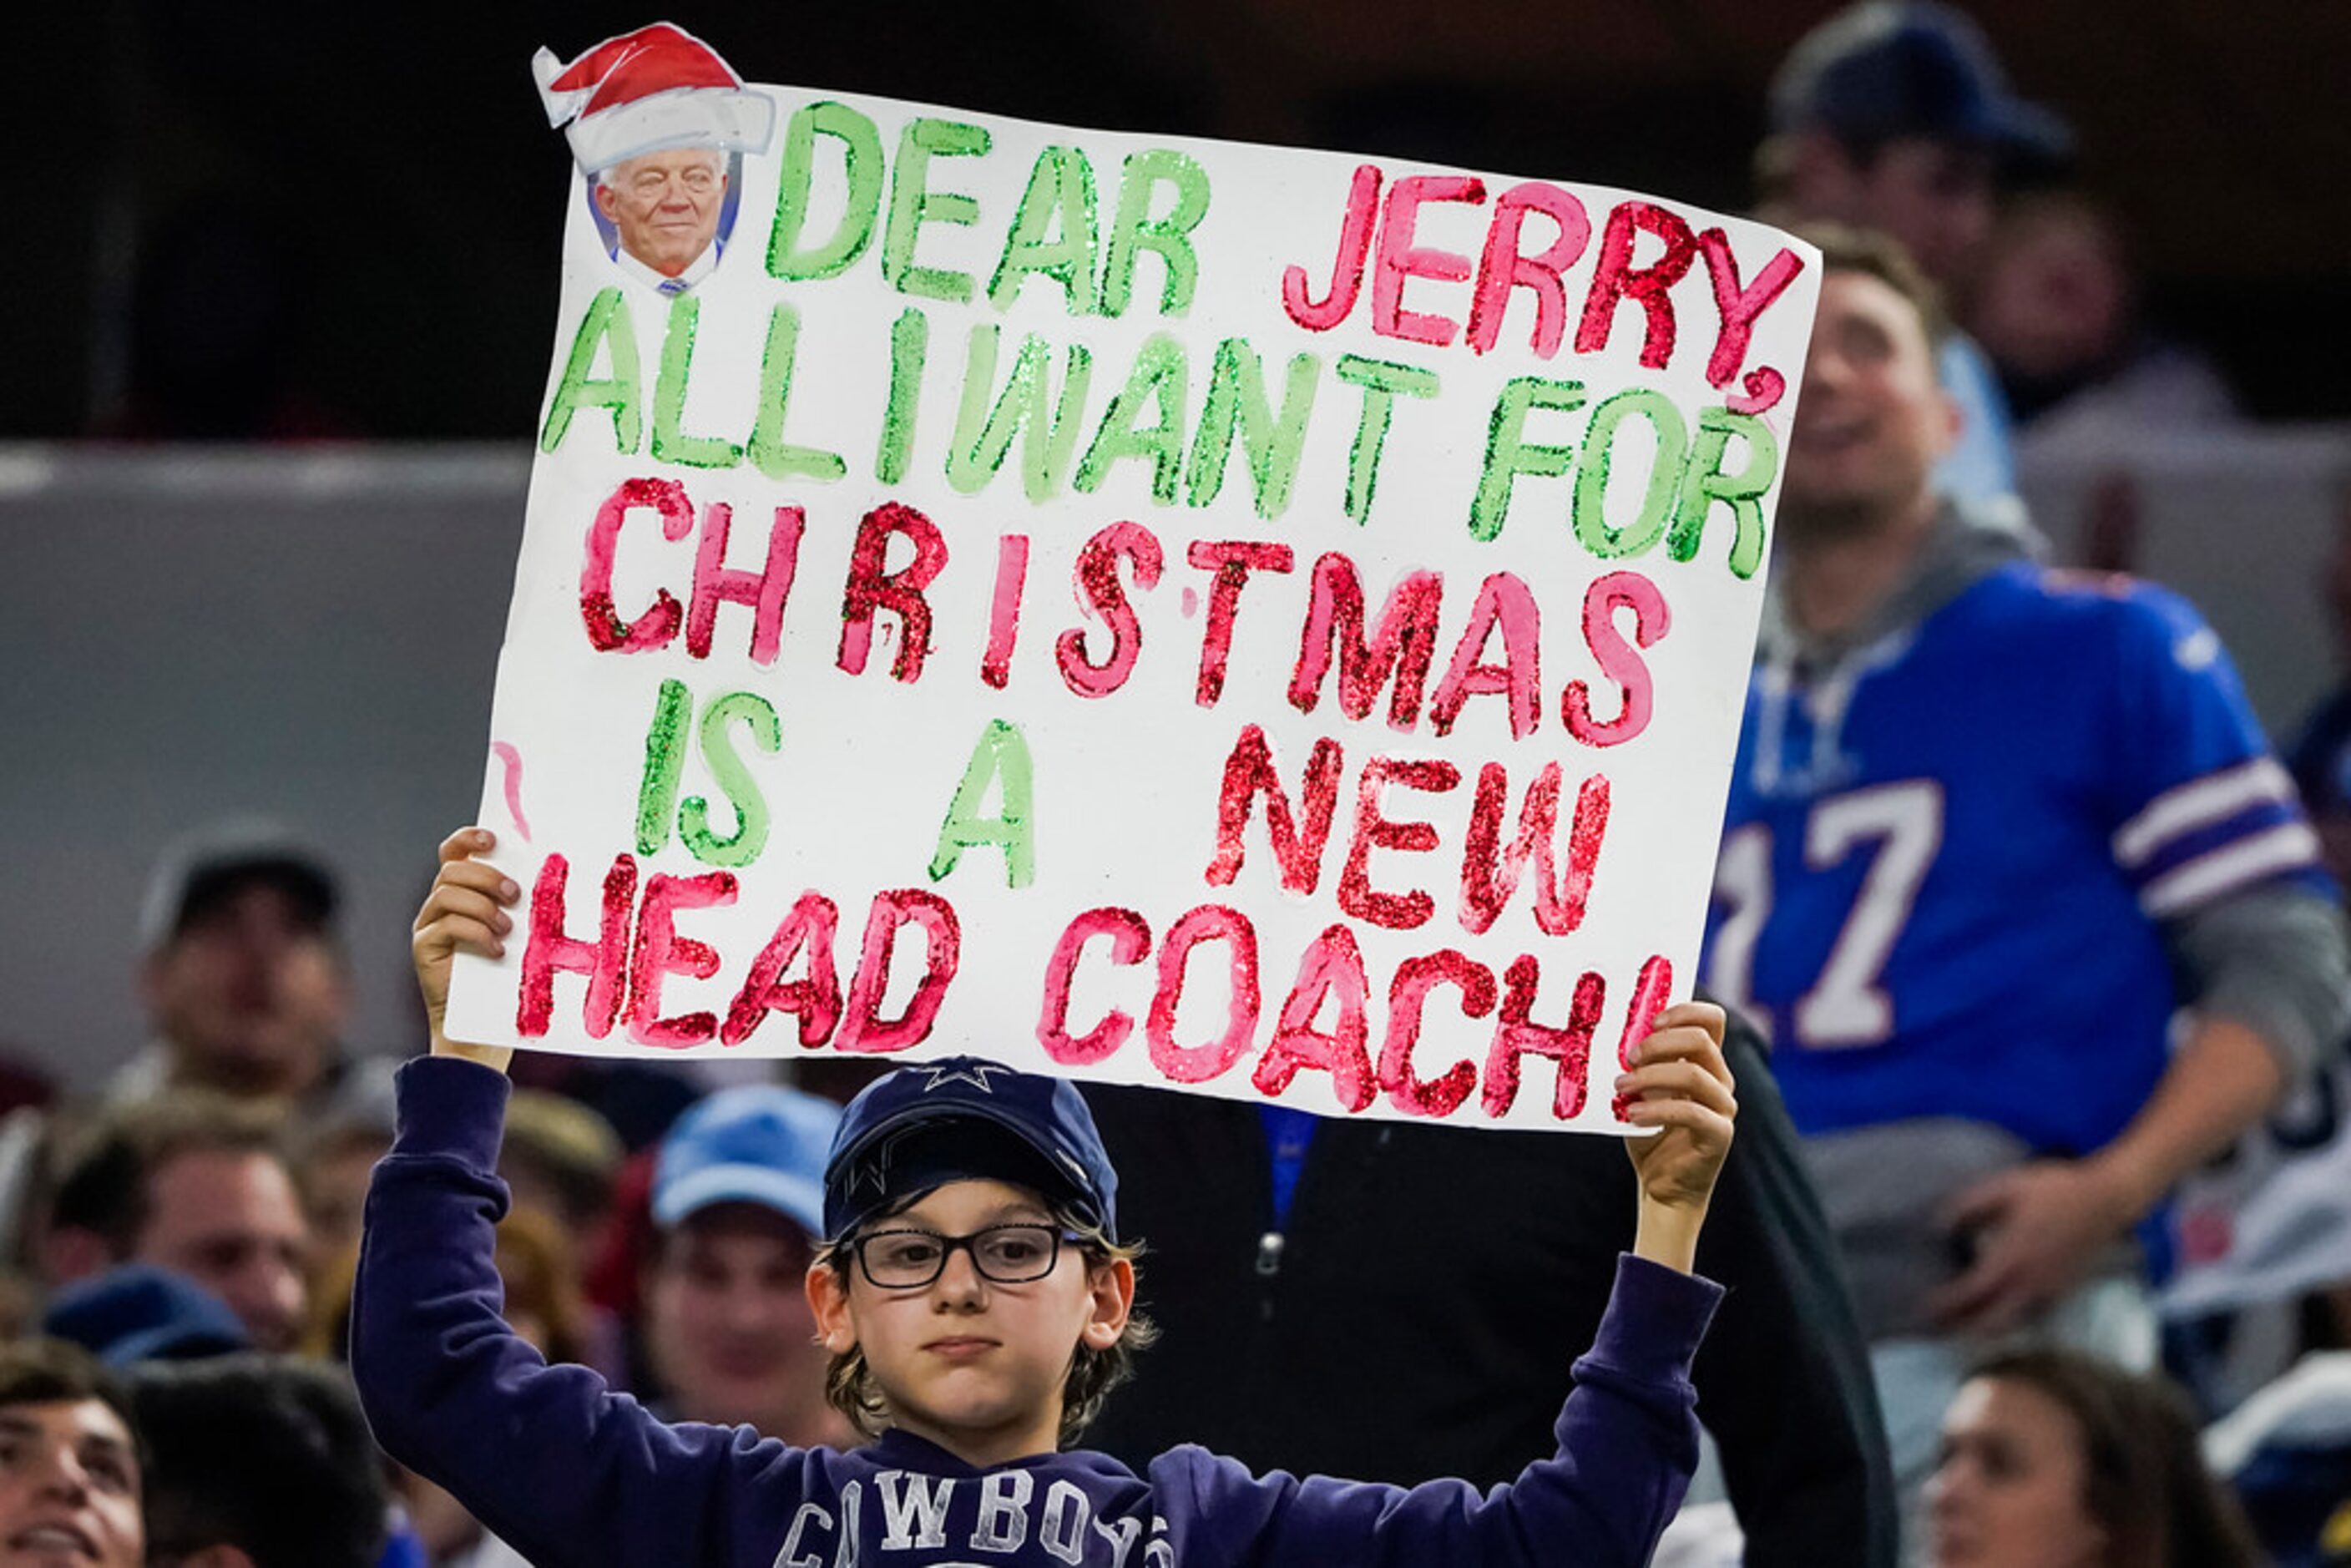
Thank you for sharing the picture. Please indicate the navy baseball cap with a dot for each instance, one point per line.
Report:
(137, 1312)
(959, 1119)
(758, 1143)
(1909, 68)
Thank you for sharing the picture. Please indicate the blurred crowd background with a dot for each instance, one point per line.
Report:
(280, 325)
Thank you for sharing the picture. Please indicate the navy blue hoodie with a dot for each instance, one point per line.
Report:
(572, 1473)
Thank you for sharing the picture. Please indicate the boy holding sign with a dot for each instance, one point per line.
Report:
(976, 1303)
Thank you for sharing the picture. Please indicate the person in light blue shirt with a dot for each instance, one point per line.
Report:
(1895, 116)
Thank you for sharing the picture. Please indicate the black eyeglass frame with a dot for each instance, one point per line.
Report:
(1056, 1236)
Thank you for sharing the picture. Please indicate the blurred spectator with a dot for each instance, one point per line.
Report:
(1292, 1337)
(1990, 828)
(1895, 115)
(245, 982)
(2320, 757)
(2287, 1452)
(560, 1157)
(2058, 311)
(139, 1312)
(334, 1157)
(193, 1182)
(737, 1200)
(69, 1467)
(257, 1462)
(2054, 1457)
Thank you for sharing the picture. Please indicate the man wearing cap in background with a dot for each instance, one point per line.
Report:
(653, 116)
(1895, 116)
(196, 1182)
(737, 1200)
(245, 982)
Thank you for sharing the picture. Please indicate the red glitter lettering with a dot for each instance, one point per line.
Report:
(871, 589)
(1003, 610)
(605, 961)
(1399, 651)
(1130, 940)
(1615, 279)
(862, 1027)
(1652, 619)
(1332, 966)
(1408, 1000)
(607, 632)
(1650, 994)
(1347, 270)
(1298, 847)
(813, 927)
(1097, 586)
(1503, 268)
(662, 951)
(1518, 1035)
(1394, 911)
(1198, 1063)
(1486, 887)
(1503, 600)
(1232, 560)
(1400, 258)
(764, 591)
(1736, 306)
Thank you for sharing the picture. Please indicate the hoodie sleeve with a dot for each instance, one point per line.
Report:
(545, 1457)
(1627, 1446)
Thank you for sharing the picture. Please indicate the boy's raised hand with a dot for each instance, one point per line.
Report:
(1680, 1086)
(467, 909)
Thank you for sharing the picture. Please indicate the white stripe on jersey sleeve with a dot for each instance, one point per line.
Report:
(2286, 847)
(2199, 804)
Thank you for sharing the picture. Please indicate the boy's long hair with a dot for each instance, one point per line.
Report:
(849, 1382)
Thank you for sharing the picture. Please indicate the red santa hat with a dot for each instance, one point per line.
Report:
(657, 88)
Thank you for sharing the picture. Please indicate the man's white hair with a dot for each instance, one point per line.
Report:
(607, 176)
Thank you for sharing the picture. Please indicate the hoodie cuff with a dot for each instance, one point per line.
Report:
(1656, 1318)
(452, 1109)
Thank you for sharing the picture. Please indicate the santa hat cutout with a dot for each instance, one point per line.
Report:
(657, 88)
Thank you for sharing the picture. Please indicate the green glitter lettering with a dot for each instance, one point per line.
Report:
(912, 203)
(671, 444)
(1705, 483)
(770, 453)
(1592, 526)
(862, 159)
(1134, 230)
(1160, 375)
(726, 766)
(1060, 186)
(665, 763)
(1509, 453)
(1047, 427)
(1380, 381)
(910, 341)
(607, 323)
(1272, 445)
(1001, 759)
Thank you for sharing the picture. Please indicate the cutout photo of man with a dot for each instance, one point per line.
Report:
(654, 118)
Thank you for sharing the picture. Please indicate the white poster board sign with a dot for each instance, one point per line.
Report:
(1267, 621)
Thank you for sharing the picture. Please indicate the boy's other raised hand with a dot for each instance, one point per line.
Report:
(466, 910)
(1680, 1086)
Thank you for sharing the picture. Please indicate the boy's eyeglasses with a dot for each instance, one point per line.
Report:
(1006, 1254)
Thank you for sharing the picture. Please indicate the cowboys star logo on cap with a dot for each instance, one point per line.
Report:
(965, 1071)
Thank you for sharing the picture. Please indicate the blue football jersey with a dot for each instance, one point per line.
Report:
(1947, 861)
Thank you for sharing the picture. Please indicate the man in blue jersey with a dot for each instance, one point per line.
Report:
(1990, 826)
(1896, 115)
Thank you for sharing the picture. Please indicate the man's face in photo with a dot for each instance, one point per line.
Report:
(665, 205)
